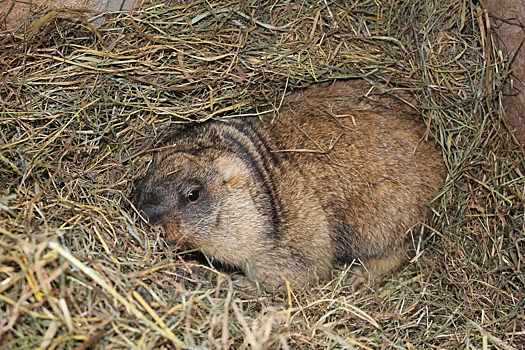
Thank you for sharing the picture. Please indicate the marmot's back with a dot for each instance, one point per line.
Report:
(337, 176)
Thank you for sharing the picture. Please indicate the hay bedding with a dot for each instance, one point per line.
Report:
(81, 108)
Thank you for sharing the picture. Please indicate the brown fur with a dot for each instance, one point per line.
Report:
(337, 176)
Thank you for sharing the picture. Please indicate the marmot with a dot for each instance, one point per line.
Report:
(335, 175)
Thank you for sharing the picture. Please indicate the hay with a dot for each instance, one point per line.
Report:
(82, 107)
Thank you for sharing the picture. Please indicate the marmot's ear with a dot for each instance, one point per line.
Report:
(230, 171)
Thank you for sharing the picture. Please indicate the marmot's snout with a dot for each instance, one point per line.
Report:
(152, 204)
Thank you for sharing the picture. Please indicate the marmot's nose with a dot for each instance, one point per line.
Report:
(152, 205)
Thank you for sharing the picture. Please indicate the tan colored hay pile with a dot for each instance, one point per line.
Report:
(82, 107)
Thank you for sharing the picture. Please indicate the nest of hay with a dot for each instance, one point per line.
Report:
(81, 108)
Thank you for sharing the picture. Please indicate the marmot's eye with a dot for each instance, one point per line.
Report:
(193, 195)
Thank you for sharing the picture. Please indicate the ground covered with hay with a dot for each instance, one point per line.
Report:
(81, 108)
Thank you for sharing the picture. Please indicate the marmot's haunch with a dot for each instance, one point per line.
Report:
(335, 176)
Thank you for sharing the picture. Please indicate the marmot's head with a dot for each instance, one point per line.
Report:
(207, 201)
